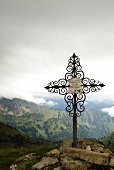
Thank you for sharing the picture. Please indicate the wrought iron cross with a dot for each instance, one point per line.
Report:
(75, 87)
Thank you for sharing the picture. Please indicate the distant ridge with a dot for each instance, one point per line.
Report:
(16, 105)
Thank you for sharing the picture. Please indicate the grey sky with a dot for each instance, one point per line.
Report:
(37, 37)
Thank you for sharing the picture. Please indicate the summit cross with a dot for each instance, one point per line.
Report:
(74, 86)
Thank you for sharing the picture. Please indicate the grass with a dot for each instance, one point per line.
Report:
(111, 148)
(8, 156)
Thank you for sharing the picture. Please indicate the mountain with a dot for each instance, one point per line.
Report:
(11, 137)
(16, 106)
(54, 124)
(36, 121)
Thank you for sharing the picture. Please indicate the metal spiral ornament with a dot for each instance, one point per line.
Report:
(80, 103)
(91, 85)
(69, 100)
(59, 86)
(74, 69)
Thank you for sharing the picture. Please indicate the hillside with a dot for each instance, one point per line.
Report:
(109, 140)
(40, 121)
(11, 137)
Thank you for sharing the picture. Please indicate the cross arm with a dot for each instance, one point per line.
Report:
(91, 85)
(56, 86)
(59, 86)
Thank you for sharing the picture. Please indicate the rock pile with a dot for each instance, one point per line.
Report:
(88, 153)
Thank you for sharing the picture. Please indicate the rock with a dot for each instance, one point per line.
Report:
(46, 168)
(70, 155)
(98, 148)
(112, 161)
(23, 161)
(61, 149)
(58, 168)
(67, 143)
(71, 164)
(54, 153)
(111, 168)
(45, 163)
(83, 142)
(89, 156)
(106, 150)
(88, 148)
(28, 157)
(13, 167)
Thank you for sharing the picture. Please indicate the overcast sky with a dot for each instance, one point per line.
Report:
(37, 37)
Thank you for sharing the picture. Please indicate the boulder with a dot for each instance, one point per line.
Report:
(111, 168)
(71, 164)
(83, 143)
(112, 161)
(54, 153)
(23, 161)
(89, 156)
(67, 143)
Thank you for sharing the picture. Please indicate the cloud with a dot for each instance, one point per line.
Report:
(109, 110)
(42, 101)
(51, 103)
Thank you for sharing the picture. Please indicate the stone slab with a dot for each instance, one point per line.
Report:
(89, 156)
(45, 162)
(71, 164)
(54, 153)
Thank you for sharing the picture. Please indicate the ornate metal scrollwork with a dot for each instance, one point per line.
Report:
(79, 103)
(91, 85)
(59, 86)
(74, 70)
(69, 100)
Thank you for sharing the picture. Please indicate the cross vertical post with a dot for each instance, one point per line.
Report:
(75, 140)
(74, 86)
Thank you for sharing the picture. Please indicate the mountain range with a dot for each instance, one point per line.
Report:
(54, 123)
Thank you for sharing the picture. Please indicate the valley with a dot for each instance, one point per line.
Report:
(54, 124)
